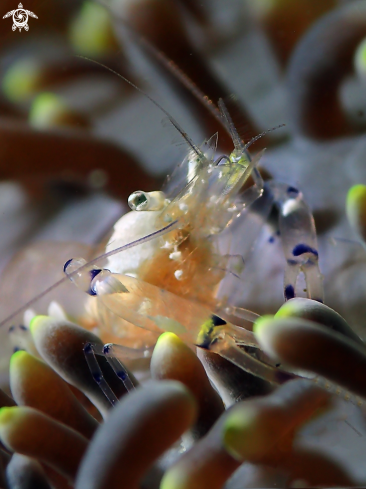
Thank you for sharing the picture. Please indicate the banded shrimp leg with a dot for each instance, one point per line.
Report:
(115, 355)
(298, 236)
(299, 241)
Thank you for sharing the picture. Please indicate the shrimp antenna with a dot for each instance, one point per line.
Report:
(229, 124)
(160, 107)
(145, 239)
(170, 65)
(253, 140)
(219, 112)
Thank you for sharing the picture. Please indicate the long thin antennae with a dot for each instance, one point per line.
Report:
(238, 142)
(145, 239)
(217, 111)
(127, 246)
(253, 140)
(170, 65)
(160, 107)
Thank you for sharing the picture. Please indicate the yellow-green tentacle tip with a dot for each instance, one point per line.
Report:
(91, 32)
(356, 195)
(167, 338)
(46, 107)
(7, 415)
(21, 80)
(240, 434)
(173, 479)
(360, 59)
(287, 310)
(262, 323)
(36, 322)
(17, 358)
(356, 208)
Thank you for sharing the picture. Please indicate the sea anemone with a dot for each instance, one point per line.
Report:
(161, 412)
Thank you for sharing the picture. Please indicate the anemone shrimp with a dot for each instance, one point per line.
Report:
(167, 260)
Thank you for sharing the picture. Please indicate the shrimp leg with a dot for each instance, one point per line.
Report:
(90, 352)
(297, 230)
(299, 241)
(226, 347)
(97, 374)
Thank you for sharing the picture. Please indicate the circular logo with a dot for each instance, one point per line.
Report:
(20, 18)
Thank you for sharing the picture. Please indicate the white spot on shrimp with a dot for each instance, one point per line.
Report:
(183, 207)
(176, 255)
(178, 274)
(132, 226)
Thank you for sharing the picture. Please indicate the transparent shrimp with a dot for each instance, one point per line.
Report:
(166, 260)
(173, 288)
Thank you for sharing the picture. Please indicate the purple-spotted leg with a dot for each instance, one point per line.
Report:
(90, 351)
(299, 241)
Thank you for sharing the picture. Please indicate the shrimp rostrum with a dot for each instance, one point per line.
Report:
(165, 262)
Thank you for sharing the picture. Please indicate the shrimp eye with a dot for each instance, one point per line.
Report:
(138, 200)
(147, 201)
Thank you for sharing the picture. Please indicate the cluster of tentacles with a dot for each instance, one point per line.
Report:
(174, 432)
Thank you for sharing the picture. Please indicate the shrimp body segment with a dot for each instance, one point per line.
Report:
(176, 275)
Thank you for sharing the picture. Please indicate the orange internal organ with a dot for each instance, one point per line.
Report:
(195, 275)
